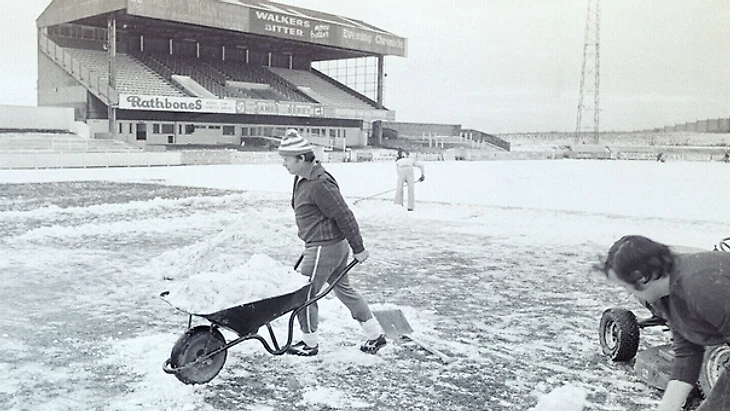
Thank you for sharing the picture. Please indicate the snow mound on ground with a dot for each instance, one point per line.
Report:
(259, 278)
(565, 398)
(330, 398)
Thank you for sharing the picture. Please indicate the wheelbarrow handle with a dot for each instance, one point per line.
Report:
(299, 261)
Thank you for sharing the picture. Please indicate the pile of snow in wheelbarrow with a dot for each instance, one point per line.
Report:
(259, 278)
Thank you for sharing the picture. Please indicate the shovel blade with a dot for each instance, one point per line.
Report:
(393, 323)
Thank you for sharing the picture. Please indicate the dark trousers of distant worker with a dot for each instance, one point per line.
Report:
(719, 397)
(321, 264)
(405, 176)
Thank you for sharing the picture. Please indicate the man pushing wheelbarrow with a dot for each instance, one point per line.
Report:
(329, 229)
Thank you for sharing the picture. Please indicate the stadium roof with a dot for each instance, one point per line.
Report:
(275, 26)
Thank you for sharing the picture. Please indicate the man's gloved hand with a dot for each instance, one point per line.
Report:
(361, 256)
(422, 178)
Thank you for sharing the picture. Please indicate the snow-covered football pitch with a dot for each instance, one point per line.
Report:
(493, 267)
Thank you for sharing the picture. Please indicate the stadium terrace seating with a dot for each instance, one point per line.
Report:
(168, 65)
(156, 74)
(324, 91)
(222, 79)
(133, 77)
(60, 143)
(280, 89)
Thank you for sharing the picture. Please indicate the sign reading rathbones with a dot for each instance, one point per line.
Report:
(169, 103)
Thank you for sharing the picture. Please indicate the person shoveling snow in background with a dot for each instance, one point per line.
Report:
(692, 292)
(404, 165)
(326, 225)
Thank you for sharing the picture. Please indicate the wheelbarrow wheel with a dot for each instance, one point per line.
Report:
(716, 359)
(194, 344)
(725, 244)
(619, 334)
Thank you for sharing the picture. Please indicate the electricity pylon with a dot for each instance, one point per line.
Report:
(590, 78)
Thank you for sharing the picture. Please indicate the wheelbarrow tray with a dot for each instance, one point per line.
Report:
(247, 318)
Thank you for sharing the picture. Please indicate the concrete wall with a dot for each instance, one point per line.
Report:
(406, 130)
(86, 160)
(56, 88)
(37, 118)
(716, 125)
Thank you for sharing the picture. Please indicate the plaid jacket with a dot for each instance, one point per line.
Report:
(321, 213)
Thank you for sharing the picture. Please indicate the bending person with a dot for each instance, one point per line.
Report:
(691, 292)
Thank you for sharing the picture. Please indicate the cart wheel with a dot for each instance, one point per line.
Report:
(725, 244)
(619, 334)
(716, 360)
(196, 343)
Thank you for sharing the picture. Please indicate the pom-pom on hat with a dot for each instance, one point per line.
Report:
(293, 144)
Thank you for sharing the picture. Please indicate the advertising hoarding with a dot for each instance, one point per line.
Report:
(312, 30)
(263, 107)
(169, 103)
(221, 106)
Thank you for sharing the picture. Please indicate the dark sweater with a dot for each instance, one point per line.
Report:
(321, 213)
(698, 309)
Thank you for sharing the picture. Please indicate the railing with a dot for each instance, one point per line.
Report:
(97, 83)
(46, 143)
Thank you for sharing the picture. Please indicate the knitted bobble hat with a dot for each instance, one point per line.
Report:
(293, 144)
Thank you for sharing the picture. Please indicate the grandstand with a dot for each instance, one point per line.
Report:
(215, 72)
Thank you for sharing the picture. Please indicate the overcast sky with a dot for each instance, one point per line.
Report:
(507, 65)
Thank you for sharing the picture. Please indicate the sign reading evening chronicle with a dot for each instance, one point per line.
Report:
(169, 103)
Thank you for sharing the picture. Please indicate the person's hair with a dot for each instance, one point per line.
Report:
(308, 157)
(638, 260)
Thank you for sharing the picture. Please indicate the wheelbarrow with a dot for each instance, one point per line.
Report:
(200, 353)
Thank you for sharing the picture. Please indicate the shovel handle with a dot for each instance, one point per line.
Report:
(446, 359)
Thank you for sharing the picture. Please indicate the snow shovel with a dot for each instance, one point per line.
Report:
(379, 194)
(396, 326)
(374, 195)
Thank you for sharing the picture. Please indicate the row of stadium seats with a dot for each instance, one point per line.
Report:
(168, 66)
(258, 75)
(133, 77)
(320, 89)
